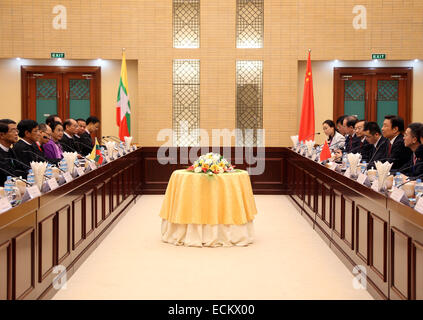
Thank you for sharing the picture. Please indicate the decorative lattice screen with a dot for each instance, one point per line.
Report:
(249, 102)
(186, 23)
(186, 102)
(249, 24)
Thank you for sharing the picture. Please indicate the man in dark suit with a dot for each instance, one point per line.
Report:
(412, 140)
(8, 136)
(85, 141)
(93, 125)
(27, 149)
(70, 127)
(398, 153)
(352, 142)
(379, 144)
(364, 148)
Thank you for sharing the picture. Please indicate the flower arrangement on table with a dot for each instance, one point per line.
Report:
(211, 163)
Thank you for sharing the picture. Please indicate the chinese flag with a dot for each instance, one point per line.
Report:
(307, 111)
(325, 154)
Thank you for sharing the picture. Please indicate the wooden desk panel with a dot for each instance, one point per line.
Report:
(61, 227)
(365, 228)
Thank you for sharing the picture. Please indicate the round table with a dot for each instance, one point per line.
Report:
(203, 210)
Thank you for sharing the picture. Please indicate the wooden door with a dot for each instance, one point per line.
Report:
(70, 92)
(373, 93)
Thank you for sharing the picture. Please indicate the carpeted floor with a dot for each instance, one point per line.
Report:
(287, 261)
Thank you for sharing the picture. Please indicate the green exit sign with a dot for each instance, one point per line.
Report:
(378, 56)
(56, 55)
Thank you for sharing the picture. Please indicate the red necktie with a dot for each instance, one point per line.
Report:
(350, 143)
(414, 159)
(389, 149)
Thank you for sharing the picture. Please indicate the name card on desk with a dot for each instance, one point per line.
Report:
(362, 178)
(67, 176)
(399, 196)
(92, 165)
(80, 171)
(52, 183)
(347, 173)
(4, 205)
(375, 186)
(333, 166)
(419, 206)
(31, 193)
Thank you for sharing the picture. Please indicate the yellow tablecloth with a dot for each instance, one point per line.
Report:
(195, 198)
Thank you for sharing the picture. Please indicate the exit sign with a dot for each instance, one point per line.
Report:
(378, 56)
(56, 55)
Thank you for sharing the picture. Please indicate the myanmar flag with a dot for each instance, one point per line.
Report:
(123, 108)
(96, 153)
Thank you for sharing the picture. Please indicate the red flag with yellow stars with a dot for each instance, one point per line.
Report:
(325, 154)
(307, 111)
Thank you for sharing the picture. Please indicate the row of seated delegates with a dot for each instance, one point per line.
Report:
(405, 152)
(29, 141)
(76, 133)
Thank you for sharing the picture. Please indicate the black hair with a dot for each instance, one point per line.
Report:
(351, 121)
(372, 127)
(416, 128)
(340, 120)
(330, 123)
(67, 123)
(55, 124)
(92, 119)
(26, 125)
(80, 119)
(50, 119)
(42, 126)
(396, 121)
(4, 125)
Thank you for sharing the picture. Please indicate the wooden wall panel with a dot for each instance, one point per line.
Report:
(89, 212)
(338, 214)
(320, 200)
(349, 222)
(5, 270)
(100, 205)
(378, 246)
(327, 213)
(78, 220)
(115, 190)
(63, 233)
(417, 271)
(400, 264)
(108, 198)
(24, 263)
(47, 233)
(362, 233)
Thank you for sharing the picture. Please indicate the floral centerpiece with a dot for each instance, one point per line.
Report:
(211, 163)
